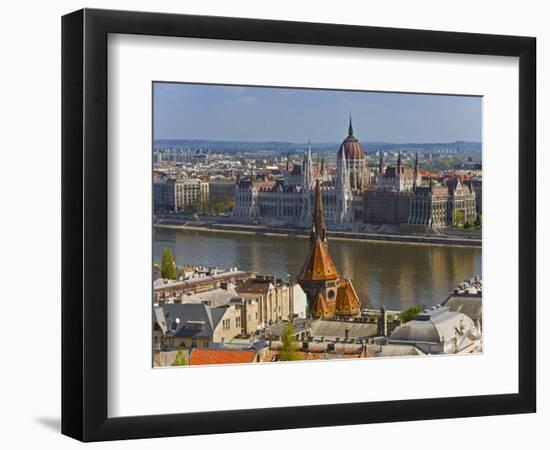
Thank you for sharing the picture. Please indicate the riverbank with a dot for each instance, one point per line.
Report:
(340, 235)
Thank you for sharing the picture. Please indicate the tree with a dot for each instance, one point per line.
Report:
(190, 209)
(458, 217)
(219, 207)
(289, 351)
(477, 222)
(410, 314)
(168, 265)
(467, 225)
(205, 207)
(180, 359)
(230, 203)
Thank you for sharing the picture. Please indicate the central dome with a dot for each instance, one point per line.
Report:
(351, 146)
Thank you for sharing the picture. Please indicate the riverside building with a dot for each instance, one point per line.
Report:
(175, 195)
(290, 198)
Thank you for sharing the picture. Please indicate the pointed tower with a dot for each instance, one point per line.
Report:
(348, 305)
(343, 190)
(355, 160)
(398, 174)
(415, 176)
(318, 276)
(307, 172)
(307, 186)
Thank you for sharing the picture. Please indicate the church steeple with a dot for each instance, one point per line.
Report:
(318, 229)
(399, 162)
(307, 168)
(415, 179)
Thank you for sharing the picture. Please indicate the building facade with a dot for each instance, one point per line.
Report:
(437, 206)
(191, 325)
(175, 195)
(274, 299)
(221, 190)
(289, 199)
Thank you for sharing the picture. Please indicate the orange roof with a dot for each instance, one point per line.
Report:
(347, 302)
(201, 357)
(321, 307)
(319, 265)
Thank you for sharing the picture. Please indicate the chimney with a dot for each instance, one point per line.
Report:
(383, 322)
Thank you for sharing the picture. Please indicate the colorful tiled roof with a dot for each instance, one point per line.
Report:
(347, 302)
(204, 356)
(322, 307)
(319, 265)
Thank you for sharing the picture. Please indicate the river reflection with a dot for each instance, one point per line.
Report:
(393, 275)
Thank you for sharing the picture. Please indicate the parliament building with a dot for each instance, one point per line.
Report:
(290, 199)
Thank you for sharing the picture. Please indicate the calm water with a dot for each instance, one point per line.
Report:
(393, 275)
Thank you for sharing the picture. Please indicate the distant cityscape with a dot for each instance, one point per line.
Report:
(368, 192)
(398, 191)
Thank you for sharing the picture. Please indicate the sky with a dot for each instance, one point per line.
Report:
(239, 113)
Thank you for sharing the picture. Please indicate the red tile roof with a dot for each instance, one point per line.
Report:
(201, 357)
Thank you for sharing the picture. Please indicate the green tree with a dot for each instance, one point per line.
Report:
(458, 217)
(467, 225)
(289, 350)
(180, 359)
(410, 313)
(230, 203)
(190, 209)
(168, 265)
(205, 207)
(477, 222)
(219, 207)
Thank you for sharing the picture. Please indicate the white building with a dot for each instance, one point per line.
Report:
(176, 194)
(290, 199)
(439, 330)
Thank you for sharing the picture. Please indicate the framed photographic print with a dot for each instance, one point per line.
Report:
(329, 224)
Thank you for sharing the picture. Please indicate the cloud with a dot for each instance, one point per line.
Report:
(248, 100)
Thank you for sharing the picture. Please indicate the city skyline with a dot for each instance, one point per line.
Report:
(242, 113)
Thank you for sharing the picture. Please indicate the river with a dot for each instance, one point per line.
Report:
(393, 275)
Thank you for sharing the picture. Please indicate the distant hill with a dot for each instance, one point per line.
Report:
(291, 147)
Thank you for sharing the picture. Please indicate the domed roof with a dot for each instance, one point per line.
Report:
(351, 146)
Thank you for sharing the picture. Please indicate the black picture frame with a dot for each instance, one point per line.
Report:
(84, 224)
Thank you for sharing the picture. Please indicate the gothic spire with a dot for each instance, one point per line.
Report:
(381, 167)
(350, 128)
(318, 229)
(399, 161)
(415, 171)
(307, 172)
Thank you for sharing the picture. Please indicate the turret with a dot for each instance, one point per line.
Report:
(318, 228)
(415, 171)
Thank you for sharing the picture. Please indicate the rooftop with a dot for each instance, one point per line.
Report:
(202, 357)
(433, 326)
